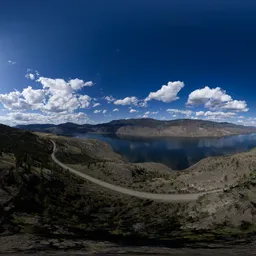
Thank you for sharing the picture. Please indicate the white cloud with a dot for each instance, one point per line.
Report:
(148, 113)
(11, 62)
(200, 113)
(96, 105)
(216, 115)
(30, 76)
(151, 113)
(115, 110)
(15, 118)
(25, 100)
(62, 94)
(33, 97)
(96, 111)
(84, 101)
(59, 104)
(56, 96)
(56, 86)
(109, 99)
(127, 101)
(104, 111)
(62, 87)
(179, 111)
(133, 110)
(13, 101)
(78, 84)
(236, 105)
(167, 93)
(214, 99)
(208, 96)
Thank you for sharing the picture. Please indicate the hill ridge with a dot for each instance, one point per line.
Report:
(147, 127)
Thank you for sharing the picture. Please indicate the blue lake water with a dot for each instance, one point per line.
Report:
(177, 153)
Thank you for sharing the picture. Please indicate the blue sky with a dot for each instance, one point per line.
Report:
(61, 61)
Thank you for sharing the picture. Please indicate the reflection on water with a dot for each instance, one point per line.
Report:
(177, 153)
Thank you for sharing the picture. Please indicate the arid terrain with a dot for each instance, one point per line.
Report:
(208, 174)
(58, 210)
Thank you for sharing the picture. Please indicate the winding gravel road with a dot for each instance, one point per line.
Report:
(130, 192)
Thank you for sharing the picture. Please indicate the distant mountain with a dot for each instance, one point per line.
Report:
(147, 127)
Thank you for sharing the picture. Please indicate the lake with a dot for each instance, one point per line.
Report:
(177, 153)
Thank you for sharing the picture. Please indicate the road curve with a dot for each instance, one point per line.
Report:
(130, 192)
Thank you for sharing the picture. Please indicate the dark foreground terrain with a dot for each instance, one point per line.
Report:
(37, 245)
(44, 207)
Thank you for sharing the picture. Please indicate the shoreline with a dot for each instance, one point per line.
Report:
(165, 136)
(153, 138)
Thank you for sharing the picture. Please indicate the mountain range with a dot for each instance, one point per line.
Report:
(147, 127)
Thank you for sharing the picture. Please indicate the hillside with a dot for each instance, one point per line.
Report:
(53, 209)
(147, 127)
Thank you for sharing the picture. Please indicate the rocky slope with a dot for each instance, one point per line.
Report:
(236, 174)
(209, 174)
(149, 128)
(40, 199)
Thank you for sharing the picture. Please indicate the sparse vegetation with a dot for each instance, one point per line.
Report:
(38, 197)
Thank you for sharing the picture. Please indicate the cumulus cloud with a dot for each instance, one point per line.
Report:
(84, 101)
(25, 100)
(104, 111)
(61, 86)
(63, 97)
(14, 101)
(179, 111)
(96, 105)
(167, 93)
(78, 84)
(235, 105)
(109, 99)
(207, 95)
(56, 86)
(33, 97)
(59, 104)
(148, 113)
(214, 99)
(151, 113)
(15, 118)
(133, 110)
(115, 110)
(215, 115)
(127, 101)
(96, 111)
(30, 76)
(56, 96)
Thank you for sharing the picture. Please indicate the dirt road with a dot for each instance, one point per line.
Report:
(130, 192)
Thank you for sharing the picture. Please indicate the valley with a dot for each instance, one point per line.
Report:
(41, 198)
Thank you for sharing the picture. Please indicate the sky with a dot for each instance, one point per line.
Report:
(95, 61)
